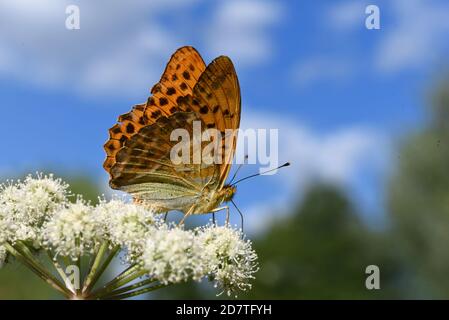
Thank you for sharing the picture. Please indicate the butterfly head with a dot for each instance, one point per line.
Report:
(228, 192)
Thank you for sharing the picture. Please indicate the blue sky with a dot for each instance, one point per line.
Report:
(340, 95)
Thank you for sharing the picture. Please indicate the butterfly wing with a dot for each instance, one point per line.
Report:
(142, 166)
(178, 80)
(216, 98)
(145, 170)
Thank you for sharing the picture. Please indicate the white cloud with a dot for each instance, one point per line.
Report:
(117, 50)
(419, 36)
(347, 16)
(133, 67)
(317, 69)
(413, 33)
(337, 157)
(334, 156)
(240, 29)
(120, 48)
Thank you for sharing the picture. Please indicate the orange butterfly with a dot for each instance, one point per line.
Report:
(138, 150)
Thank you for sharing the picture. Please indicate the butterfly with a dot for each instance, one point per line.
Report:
(139, 147)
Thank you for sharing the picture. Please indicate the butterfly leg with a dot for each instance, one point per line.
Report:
(227, 212)
(188, 213)
(165, 216)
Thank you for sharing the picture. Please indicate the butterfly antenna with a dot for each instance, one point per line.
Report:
(238, 169)
(240, 212)
(261, 173)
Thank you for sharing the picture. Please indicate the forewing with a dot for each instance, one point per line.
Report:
(145, 159)
(178, 80)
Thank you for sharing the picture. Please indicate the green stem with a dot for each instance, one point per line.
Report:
(23, 249)
(128, 288)
(125, 273)
(137, 292)
(78, 285)
(89, 282)
(127, 276)
(38, 270)
(61, 273)
(105, 265)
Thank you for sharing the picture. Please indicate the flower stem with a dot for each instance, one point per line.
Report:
(128, 288)
(39, 270)
(78, 286)
(61, 272)
(125, 273)
(92, 276)
(137, 292)
(125, 277)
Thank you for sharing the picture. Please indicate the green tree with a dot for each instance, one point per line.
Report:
(419, 200)
(321, 252)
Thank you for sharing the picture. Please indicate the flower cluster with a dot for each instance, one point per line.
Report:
(231, 261)
(25, 206)
(171, 255)
(125, 225)
(37, 211)
(175, 255)
(71, 231)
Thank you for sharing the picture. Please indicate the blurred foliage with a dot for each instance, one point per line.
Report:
(321, 252)
(16, 280)
(81, 185)
(419, 200)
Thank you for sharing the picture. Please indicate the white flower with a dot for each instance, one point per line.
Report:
(3, 256)
(231, 260)
(4, 232)
(175, 255)
(45, 194)
(72, 231)
(26, 205)
(125, 224)
(37, 211)
(172, 255)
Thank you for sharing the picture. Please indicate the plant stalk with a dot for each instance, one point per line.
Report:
(39, 270)
(137, 292)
